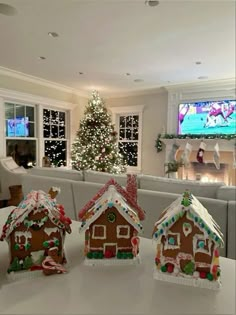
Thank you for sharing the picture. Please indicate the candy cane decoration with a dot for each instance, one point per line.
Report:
(50, 265)
(135, 243)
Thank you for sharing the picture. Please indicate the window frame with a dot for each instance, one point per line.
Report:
(126, 111)
(201, 237)
(170, 246)
(99, 237)
(119, 227)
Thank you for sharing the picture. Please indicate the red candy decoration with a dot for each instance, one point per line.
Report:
(51, 243)
(217, 254)
(170, 268)
(214, 268)
(202, 274)
(108, 254)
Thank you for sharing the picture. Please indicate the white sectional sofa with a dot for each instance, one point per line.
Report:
(154, 194)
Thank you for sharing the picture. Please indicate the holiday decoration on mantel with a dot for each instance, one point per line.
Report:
(95, 146)
(172, 164)
(216, 156)
(200, 152)
(159, 143)
(35, 227)
(188, 243)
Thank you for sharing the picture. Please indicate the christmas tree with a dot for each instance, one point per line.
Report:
(95, 146)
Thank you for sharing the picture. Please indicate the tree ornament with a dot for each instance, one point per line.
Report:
(200, 152)
(216, 156)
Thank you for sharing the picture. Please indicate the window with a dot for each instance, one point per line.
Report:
(123, 231)
(20, 133)
(54, 130)
(201, 245)
(172, 241)
(99, 232)
(128, 124)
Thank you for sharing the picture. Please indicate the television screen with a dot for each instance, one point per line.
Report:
(212, 117)
(18, 127)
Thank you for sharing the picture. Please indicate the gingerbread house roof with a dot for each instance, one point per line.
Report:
(112, 194)
(36, 201)
(196, 212)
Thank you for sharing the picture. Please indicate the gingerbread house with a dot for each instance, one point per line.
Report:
(111, 221)
(32, 229)
(188, 242)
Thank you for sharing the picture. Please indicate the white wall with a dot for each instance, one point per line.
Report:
(154, 119)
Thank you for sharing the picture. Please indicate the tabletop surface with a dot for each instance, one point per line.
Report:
(110, 289)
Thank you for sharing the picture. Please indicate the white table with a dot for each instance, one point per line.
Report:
(110, 289)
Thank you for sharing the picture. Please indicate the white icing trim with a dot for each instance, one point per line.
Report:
(49, 231)
(169, 246)
(27, 235)
(112, 261)
(99, 237)
(200, 237)
(109, 244)
(118, 229)
(186, 233)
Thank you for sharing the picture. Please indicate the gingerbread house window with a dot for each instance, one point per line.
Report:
(123, 231)
(201, 245)
(172, 241)
(99, 232)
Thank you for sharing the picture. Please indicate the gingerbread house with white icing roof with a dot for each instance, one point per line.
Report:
(33, 228)
(188, 242)
(111, 221)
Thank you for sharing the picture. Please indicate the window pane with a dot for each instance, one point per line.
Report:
(30, 131)
(135, 121)
(9, 111)
(62, 132)
(54, 117)
(30, 113)
(22, 151)
(130, 151)
(62, 118)
(20, 111)
(128, 121)
(122, 134)
(46, 116)
(54, 131)
(128, 134)
(135, 134)
(56, 151)
(46, 131)
(10, 128)
(122, 121)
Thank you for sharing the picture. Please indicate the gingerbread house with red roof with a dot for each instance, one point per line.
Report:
(33, 228)
(188, 242)
(111, 221)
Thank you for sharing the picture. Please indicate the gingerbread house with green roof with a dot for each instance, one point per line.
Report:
(188, 242)
(32, 228)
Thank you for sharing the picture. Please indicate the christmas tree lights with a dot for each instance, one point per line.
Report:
(95, 146)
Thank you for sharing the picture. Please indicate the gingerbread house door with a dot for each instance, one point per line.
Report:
(110, 250)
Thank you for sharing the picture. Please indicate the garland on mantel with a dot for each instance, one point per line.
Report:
(159, 143)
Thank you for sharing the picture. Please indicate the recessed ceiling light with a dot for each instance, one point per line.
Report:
(7, 9)
(81, 73)
(127, 73)
(138, 80)
(198, 62)
(41, 58)
(53, 34)
(152, 3)
(202, 77)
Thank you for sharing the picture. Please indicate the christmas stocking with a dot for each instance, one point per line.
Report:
(216, 156)
(201, 151)
(173, 152)
(186, 154)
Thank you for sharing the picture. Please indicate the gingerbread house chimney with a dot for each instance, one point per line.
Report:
(131, 186)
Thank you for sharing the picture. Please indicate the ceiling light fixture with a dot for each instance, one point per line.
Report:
(7, 9)
(198, 62)
(81, 73)
(53, 34)
(41, 58)
(138, 80)
(127, 73)
(152, 3)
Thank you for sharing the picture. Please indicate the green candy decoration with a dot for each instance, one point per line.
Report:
(89, 255)
(56, 242)
(45, 244)
(119, 255)
(189, 268)
(163, 268)
(27, 262)
(209, 276)
(16, 246)
(27, 246)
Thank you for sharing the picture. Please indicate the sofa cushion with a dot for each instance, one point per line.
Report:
(231, 246)
(103, 178)
(58, 172)
(177, 186)
(226, 193)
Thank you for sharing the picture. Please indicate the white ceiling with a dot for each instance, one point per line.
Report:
(105, 39)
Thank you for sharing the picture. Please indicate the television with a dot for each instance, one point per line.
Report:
(211, 117)
(18, 127)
